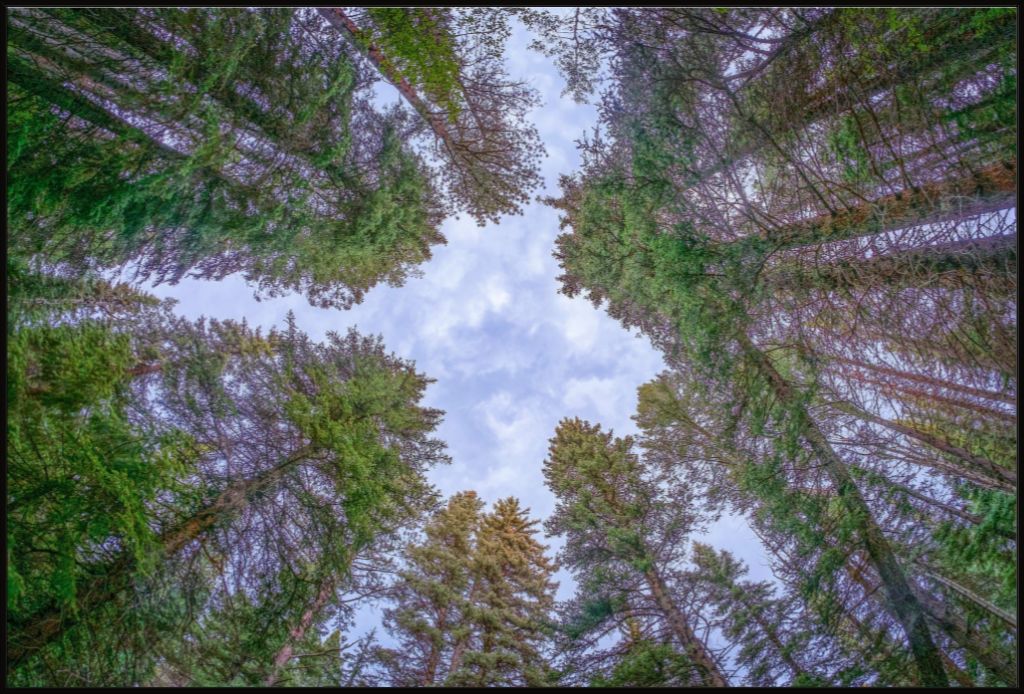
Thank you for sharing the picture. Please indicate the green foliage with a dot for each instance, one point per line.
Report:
(423, 51)
(471, 608)
(123, 426)
(647, 664)
(982, 552)
(308, 195)
(846, 145)
(81, 476)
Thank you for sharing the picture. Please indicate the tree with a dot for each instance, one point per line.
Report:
(472, 608)
(622, 538)
(299, 455)
(219, 141)
(448, 66)
(439, 574)
(774, 644)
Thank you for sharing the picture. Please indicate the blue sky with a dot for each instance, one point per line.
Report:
(511, 356)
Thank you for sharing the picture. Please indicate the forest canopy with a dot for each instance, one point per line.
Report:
(809, 213)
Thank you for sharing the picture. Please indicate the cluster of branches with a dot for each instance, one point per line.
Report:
(812, 213)
(207, 142)
(194, 502)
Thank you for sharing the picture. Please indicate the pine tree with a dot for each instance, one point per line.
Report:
(448, 65)
(439, 575)
(206, 142)
(236, 454)
(473, 606)
(774, 646)
(622, 539)
(510, 622)
(691, 216)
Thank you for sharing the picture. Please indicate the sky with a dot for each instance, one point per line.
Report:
(510, 355)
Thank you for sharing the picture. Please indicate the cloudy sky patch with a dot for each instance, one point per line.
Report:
(510, 354)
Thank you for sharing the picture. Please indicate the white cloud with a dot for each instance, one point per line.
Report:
(511, 356)
(605, 396)
(579, 323)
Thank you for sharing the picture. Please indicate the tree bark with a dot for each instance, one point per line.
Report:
(989, 190)
(337, 18)
(957, 629)
(695, 648)
(434, 659)
(952, 264)
(901, 602)
(46, 627)
(926, 380)
(299, 630)
(973, 597)
(918, 394)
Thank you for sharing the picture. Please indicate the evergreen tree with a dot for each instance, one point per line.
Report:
(234, 451)
(431, 597)
(448, 65)
(774, 649)
(205, 142)
(514, 594)
(623, 538)
(689, 217)
(473, 607)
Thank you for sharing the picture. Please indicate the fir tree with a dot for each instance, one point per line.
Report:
(473, 606)
(222, 452)
(622, 539)
(206, 142)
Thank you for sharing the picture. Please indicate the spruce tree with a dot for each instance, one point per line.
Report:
(623, 538)
(473, 606)
(207, 450)
(205, 142)
(438, 574)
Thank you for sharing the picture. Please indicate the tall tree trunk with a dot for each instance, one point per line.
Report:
(901, 602)
(955, 627)
(951, 404)
(434, 659)
(971, 596)
(1008, 398)
(460, 646)
(991, 189)
(341, 21)
(695, 648)
(51, 624)
(299, 630)
(1000, 478)
(956, 264)
(958, 630)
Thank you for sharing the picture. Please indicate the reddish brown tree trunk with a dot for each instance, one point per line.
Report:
(992, 189)
(695, 648)
(931, 396)
(341, 21)
(900, 600)
(299, 630)
(926, 380)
